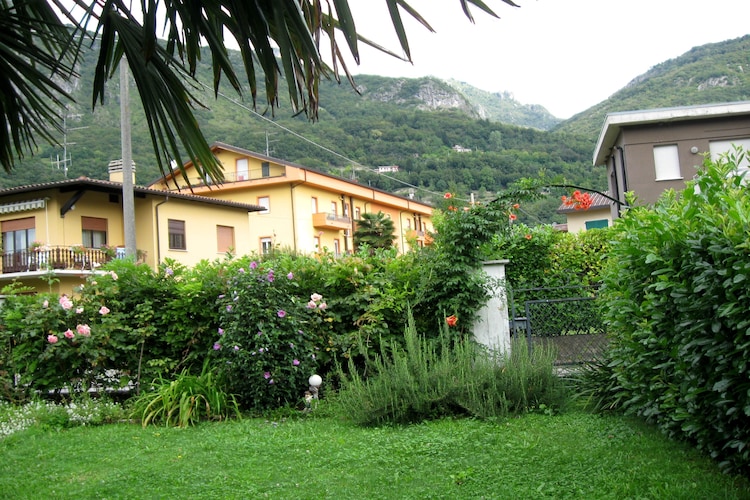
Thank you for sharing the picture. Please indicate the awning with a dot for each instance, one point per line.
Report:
(20, 206)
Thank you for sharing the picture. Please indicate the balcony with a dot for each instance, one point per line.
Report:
(324, 220)
(45, 258)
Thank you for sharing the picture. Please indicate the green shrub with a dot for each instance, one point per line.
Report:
(432, 378)
(266, 343)
(184, 401)
(677, 294)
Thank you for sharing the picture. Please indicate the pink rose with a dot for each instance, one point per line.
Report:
(84, 330)
(69, 334)
(52, 339)
(65, 302)
(104, 310)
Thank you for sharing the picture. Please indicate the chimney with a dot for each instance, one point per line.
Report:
(115, 171)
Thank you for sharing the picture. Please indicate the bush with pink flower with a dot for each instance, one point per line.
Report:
(265, 342)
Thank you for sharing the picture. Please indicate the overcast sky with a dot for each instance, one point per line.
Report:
(565, 55)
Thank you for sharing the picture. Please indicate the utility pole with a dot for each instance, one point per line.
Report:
(128, 198)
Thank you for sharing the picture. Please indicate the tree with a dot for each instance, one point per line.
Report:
(374, 230)
(39, 52)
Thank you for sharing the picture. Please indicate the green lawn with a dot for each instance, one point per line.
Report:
(573, 455)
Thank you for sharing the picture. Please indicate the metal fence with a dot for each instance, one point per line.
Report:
(571, 324)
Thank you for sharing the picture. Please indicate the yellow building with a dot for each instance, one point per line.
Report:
(67, 228)
(304, 210)
(599, 215)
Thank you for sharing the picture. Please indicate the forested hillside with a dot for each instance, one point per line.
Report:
(716, 72)
(412, 123)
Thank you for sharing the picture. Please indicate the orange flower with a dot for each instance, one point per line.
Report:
(516, 206)
(513, 217)
(451, 320)
(447, 196)
(452, 208)
(528, 236)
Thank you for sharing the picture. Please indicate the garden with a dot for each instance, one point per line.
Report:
(195, 381)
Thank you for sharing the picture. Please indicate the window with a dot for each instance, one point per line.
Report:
(93, 232)
(314, 205)
(241, 167)
(667, 162)
(176, 234)
(334, 208)
(346, 210)
(596, 224)
(265, 202)
(266, 245)
(356, 213)
(336, 247)
(408, 224)
(18, 234)
(717, 148)
(265, 169)
(316, 242)
(224, 239)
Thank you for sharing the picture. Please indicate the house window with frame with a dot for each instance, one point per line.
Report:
(265, 169)
(336, 247)
(266, 245)
(316, 242)
(314, 205)
(718, 148)
(93, 232)
(176, 230)
(667, 163)
(224, 239)
(357, 214)
(596, 224)
(18, 234)
(265, 202)
(242, 169)
(334, 208)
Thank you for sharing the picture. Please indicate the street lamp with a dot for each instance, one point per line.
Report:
(315, 382)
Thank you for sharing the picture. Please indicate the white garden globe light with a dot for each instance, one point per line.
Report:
(315, 380)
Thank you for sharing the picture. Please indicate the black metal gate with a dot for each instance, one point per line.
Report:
(566, 318)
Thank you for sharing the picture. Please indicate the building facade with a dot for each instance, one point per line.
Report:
(304, 210)
(66, 229)
(647, 152)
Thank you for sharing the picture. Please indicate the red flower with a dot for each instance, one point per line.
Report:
(513, 217)
(452, 208)
(516, 206)
(447, 196)
(528, 236)
(451, 320)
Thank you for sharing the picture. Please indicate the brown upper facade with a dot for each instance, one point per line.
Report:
(650, 151)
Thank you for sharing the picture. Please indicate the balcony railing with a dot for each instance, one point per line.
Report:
(45, 258)
(325, 220)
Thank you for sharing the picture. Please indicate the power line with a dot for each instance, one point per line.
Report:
(325, 148)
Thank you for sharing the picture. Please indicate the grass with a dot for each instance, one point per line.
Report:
(570, 455)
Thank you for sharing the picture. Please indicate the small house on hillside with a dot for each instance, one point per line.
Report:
(650, 151)
(598, 215)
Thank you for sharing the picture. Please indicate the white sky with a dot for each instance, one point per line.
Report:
(566, 55)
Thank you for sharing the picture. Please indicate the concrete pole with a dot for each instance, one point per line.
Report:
(128, 199)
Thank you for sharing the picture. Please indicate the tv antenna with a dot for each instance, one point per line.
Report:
(66, 161)
(268, 145)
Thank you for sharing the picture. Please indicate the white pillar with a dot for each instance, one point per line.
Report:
(492, 327)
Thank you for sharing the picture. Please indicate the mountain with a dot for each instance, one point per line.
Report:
(712, 73)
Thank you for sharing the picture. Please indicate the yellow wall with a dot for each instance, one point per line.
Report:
(577, 220)
(201, 220)
(290, 189)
